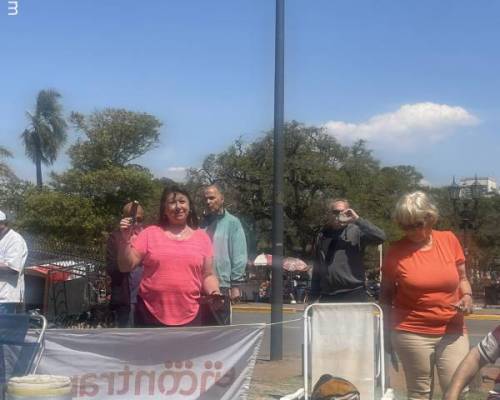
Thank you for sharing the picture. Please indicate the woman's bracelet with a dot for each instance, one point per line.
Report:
(467, 294)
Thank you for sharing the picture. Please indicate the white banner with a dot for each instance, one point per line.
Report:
(178, 363)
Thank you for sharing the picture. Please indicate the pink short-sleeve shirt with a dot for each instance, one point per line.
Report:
(173, 273)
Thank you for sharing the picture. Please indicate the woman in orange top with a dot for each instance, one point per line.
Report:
(425, 294)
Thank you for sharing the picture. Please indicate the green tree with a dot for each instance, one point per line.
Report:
(113, 137)
(13, 195)
(5, 170)
(107, 188)
(59, 215)
(46, 133)
(317, 167)
(101, 171)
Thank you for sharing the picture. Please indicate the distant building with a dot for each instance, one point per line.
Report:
(487, 186)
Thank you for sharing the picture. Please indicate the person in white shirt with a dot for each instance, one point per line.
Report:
(13, 254)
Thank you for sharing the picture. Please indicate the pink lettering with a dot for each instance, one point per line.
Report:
(110, 377)
(126, 380)
(151, 379)
(205, 376)
(88, 387)
(74, 386)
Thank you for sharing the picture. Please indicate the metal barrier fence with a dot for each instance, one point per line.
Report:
(67, 283)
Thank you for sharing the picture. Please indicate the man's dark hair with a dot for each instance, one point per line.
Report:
(192, 218)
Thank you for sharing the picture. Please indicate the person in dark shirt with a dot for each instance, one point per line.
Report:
(124, 285)
(339, 273)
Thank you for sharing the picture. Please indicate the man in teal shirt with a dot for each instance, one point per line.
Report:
(229, 245)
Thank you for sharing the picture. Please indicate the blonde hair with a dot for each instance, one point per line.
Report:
(415, 207)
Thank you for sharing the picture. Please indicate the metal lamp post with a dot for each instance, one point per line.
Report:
(463, 208)
(278, 197)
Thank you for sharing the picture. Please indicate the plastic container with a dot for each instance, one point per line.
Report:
(39, 387)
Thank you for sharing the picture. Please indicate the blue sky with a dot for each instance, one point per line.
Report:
(420, 81)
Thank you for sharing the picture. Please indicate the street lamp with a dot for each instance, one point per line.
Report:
(461, 198)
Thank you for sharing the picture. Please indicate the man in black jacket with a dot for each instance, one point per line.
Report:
(339, 273)
(124, 285)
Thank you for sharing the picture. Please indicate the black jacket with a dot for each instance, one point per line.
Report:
(120, 288)
(344, 271)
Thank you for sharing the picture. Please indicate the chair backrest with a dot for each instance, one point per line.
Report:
(345, 340)
(21, 344)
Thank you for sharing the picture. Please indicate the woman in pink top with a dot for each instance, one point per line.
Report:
(177, 260)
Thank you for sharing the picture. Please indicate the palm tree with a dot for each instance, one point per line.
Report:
(5, 170)
(46, 133)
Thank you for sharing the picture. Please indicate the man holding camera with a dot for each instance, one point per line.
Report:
(124, 285)
(339, 273)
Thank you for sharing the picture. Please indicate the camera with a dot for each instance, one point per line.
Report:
(133, 212)
(344, 216)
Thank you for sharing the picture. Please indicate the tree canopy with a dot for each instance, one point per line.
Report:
(6, 172)
(317, 168)
(112, 137)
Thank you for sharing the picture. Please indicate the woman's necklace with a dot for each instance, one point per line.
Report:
(180, 234)
(427, 245)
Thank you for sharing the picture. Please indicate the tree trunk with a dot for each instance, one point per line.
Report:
(38, 162)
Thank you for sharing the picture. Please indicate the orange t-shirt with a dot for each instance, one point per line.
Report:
(427, 285)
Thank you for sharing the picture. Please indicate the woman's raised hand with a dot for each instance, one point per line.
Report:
(125, 227)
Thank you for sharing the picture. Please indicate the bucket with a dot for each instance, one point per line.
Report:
(39, 387)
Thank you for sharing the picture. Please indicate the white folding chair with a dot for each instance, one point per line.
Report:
(345, 340)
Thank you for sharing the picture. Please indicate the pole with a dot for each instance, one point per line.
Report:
(277, 267)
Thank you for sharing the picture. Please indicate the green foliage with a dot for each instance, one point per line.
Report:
(317, 168)
(483, 241)
(12, 195)
(108, 188)
(5, 170)
(113, 137)
(101, 174)
(60, 215)
(46, 133)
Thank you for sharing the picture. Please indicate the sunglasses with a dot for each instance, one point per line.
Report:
(410, 227)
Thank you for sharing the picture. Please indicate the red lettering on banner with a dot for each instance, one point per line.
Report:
(90, 389)
(126, 380)
(194, 379)
(138, 380)
(161, 379)
(205, 376)
(178, 377)
(110, 376)
(74, 386)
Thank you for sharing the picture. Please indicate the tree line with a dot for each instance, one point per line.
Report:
(82, 203)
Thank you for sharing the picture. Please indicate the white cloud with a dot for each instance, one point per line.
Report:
(176, 169)
(176, 173)
(411, 124)
(425, 182)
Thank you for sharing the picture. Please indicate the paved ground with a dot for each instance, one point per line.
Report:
(274, 379)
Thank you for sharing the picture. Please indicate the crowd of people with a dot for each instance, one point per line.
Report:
(186, 271)
(189, 270)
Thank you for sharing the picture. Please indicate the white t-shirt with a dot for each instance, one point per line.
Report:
(13, 252)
